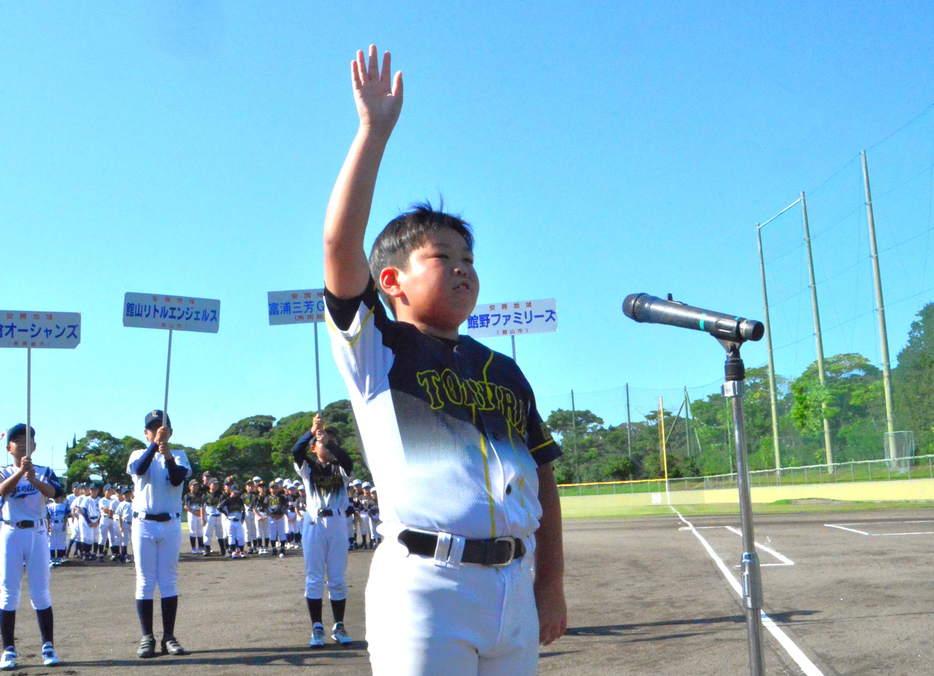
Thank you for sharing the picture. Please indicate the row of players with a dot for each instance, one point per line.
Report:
(242, 522)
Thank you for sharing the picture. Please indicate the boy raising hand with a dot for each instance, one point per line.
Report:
(452, 588)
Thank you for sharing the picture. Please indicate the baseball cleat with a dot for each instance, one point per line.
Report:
(49, 658)
(317, 636)
(8, 659)
(170, 646)
(340, 635)
(147, 647)
(281, 555)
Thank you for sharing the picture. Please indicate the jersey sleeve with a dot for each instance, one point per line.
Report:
(542, 446)
(361, 337)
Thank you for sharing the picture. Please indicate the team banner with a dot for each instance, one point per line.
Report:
(176, 313)
(40, 329)
(513, 319)
(295, 307)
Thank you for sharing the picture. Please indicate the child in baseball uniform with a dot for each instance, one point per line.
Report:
(212, 517)
(191, 503)
(451, 589)
(58, 529)
(159, 474)
(325, 469)
(24, 542)
(124, 515)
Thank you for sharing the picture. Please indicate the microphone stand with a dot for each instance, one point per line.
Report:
(734, 389)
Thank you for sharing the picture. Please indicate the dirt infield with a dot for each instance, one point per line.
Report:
(849, 590)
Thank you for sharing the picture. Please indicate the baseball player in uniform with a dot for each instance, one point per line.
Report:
(191, 503)
(325, 472)
(24, 542)
(124, 518)
(276, 507)
(234, 512)
(72, 519)
(159, 475)
(58, 530)
(451, 589)
(212, 517)
(109, 536)
(249, 521)
(261, 510)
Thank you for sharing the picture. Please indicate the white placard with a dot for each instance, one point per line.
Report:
(295, 307)
(513, 319)
(178, 313)
(40, 329)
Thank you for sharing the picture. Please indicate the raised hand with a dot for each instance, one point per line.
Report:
(378, 97)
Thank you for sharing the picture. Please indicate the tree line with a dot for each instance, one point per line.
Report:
(259, 445)
(698, 445)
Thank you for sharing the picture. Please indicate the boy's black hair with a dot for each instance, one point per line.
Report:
(408, 231)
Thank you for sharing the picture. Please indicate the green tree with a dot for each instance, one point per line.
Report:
(913, 381)
(255, 427)
(100, 453)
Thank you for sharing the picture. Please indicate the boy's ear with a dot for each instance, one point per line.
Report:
(389, 282)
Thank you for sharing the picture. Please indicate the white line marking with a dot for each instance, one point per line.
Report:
(784, 559)
(878, 535)
(802, 660)
(852, 530)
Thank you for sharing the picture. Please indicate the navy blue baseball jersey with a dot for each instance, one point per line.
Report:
(450, 429)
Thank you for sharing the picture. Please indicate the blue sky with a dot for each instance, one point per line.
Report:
(599, 149)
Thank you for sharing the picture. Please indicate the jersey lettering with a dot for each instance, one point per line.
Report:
(449, 388)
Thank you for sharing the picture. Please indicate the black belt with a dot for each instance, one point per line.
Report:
(24, 524)
(234, 519)
(498, 552)
(325, 512)
(163, 516)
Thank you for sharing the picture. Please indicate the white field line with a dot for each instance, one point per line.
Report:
(781, 557)
(802, 660)
(880, 535)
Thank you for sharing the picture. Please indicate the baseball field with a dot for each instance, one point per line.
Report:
(845, 593)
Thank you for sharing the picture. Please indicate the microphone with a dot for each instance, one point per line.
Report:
(651, 310)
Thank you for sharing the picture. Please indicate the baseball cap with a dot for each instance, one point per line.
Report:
(18, 429)
(256, 479)
(128, 489)
(156, 416)
(107, 487)
(194, 482)
(367, 484)
(213, 481)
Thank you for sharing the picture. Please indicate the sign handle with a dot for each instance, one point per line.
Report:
(168, 367)
(317, 369)
(513, 347)
(29, 441)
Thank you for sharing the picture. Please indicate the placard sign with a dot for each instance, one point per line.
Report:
(513, 319)
(295, 307)
(40, 329)
(176, 313)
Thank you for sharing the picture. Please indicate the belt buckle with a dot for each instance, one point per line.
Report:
(512, 551)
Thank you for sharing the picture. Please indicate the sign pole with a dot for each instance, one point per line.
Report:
(168, 367)
(513, 347)
(28, 402)
(317, 369)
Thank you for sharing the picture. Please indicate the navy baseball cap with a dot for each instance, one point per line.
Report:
(156, 416)
(17, 430)
(107, 487)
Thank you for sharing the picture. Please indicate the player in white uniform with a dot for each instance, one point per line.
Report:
(123, 515)
(58, 530)
(451, 589)
(191, 503)
(212, 517)
(24, 542)
(108, 528)
(325, 469)
(159, 475)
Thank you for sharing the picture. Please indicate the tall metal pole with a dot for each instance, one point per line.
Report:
(317, 369)
(28, 402)
(768, 342)
(577, 466)
(820, 344)
(628, 424)
(880, 306)
(687, 421)
(168, 368)
(661, 433)
(513, 347)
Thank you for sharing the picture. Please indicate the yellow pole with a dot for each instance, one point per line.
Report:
(661, 429)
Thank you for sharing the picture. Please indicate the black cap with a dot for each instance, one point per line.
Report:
(156, 416)
(17, 430)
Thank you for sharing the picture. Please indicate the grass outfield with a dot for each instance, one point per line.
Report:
(777, 507)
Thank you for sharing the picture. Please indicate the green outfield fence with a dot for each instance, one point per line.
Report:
(920, 467)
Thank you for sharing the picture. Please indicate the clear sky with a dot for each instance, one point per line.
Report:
(599, 149)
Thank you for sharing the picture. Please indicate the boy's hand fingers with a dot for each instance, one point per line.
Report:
(386, 73)
(373, 72)
(397, 87)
